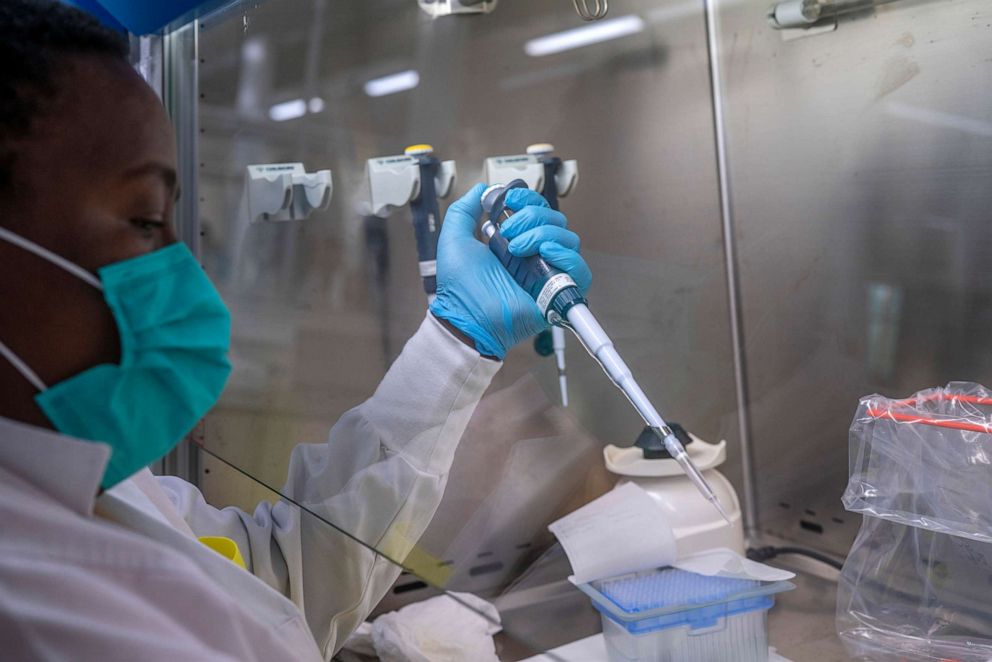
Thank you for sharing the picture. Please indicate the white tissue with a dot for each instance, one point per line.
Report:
(435, 630)
(723, 562)
(625, 530)
(621, 531)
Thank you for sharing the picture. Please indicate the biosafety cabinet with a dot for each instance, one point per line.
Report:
(783, 210)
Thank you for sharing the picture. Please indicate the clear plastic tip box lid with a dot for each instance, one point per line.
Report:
(671, 615)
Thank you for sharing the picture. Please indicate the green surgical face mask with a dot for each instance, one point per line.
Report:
(174, 331)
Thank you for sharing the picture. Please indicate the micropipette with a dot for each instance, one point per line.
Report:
(553, 178)
(426, 215)
(419, 178)
(563, 305)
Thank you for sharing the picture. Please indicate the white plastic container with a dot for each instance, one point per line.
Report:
(670, 615)
(695, 522)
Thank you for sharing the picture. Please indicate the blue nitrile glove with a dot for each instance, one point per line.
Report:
(475, 294)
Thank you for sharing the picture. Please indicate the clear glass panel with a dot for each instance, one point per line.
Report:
(859, 163)
(510, 644)
(323, 306)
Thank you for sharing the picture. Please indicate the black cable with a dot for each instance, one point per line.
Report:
(761, 554)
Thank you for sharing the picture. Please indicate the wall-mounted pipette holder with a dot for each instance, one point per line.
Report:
(286, 191)
(394, 181)
(529, 167)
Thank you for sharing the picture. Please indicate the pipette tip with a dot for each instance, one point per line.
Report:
(716, 503)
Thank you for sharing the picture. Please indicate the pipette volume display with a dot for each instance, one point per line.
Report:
(562, 304)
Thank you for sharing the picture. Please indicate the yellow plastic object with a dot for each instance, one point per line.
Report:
(226, 548)
(428, 567)
(419, 150)
(416, 559)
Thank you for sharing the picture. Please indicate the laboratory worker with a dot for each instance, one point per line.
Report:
(114, 344)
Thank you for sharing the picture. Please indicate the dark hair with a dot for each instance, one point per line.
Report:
(34, 36)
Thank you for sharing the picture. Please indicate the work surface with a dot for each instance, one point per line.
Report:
(801, 627)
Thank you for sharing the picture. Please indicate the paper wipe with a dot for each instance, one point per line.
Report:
(621, 531)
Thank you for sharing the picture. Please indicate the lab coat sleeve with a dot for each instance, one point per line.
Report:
(379, 478)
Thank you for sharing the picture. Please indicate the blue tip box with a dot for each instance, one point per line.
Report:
(670, 615)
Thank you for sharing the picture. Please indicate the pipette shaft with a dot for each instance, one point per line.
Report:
(563, 304)
(558, 345)
(592, 336)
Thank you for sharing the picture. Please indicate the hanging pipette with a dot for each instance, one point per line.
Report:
(563, 305)
(419, 178)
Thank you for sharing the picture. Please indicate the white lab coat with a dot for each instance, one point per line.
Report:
(123, 577)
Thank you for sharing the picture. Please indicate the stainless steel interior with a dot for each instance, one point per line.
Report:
(857, 166)
(859, 162)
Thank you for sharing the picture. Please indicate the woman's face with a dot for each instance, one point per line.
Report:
(95, 182)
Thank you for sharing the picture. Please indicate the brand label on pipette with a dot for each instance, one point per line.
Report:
(555, 284)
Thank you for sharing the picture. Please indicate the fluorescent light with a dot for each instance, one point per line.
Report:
(613, 28)
(393, 83)
(288, 110)
(296, 108)
(254, 49)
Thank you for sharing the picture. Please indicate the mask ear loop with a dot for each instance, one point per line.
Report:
(58, 261)
(22, 368)
(48, 255)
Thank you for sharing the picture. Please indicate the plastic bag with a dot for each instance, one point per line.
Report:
(917, 584)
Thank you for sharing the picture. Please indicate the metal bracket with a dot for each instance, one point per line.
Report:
(818, 15)
(591, 10)
(437, 8)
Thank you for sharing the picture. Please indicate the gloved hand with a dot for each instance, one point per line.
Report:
(474, 291)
